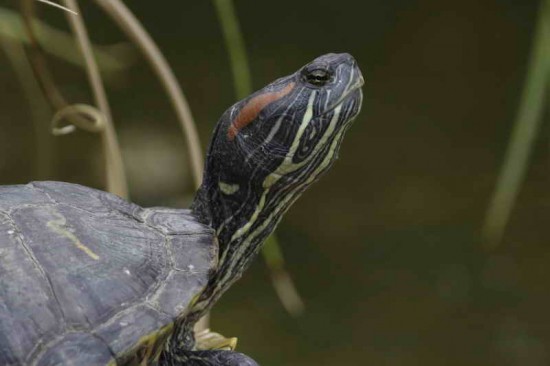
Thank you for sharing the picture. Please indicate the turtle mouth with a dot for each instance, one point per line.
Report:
(352, 92)
(354, 95)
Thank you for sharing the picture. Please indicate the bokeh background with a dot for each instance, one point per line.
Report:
(386, 249)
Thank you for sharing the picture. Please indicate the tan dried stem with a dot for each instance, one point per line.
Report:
(38, 107)
(116, 178)
(116, 181)
(95, 120)
(56, 5)
(135, 31)
(111, 58)
(38, 61)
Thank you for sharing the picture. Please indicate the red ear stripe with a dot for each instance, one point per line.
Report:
(254, 106)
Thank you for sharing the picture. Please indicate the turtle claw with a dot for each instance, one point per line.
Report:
(208, 340)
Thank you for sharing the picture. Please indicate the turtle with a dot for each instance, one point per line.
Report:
(88, 278)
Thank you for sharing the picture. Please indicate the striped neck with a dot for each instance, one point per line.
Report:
(266, 150)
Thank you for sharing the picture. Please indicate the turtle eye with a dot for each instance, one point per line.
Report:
(317, 77)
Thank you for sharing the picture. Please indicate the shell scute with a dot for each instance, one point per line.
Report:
(125, 330)
(77, 263)
(173, 221)
(194, 254)
(28, 311)
(76, 349)
(17, 195)
(84, 257)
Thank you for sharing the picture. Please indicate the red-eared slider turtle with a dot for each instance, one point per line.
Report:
(87, 278)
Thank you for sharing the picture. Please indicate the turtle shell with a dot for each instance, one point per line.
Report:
(86, 278)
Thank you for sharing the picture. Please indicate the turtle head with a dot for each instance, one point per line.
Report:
(269, 147)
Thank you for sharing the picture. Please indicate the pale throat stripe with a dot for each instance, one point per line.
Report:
(290, 196)
(288, 160)
(272, 133)
(305, 121)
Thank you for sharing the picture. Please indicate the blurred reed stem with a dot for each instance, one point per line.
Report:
(59, 6)
(116, 181)
(236, 49)
(42, 169)
(114, 167)
(522, 139)
(133, 29)
(57, 43)
(271, 251)
(280, 277)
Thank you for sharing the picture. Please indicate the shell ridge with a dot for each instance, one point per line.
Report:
(32, 185)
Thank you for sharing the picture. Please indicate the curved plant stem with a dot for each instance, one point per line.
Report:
(116, 181)
(56, 5)
(38, 61)
(95, 120)
(523, 135)
(282, 282)
(135, 31)
(116, 178)
(271, 251)
(111, 58)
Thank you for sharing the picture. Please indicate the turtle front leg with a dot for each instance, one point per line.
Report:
(207, 340)
(216, 358)
(219, 350)
(183, 357)
(208, 349)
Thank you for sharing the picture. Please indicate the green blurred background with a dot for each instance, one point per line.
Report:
(386, 249)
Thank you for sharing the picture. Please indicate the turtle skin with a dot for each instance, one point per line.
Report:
(87, 278)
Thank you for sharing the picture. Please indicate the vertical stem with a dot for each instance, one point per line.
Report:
(280, 277)
(235, 47)
(38, 107)
(135, 31)
(116, 178)
(523, 135)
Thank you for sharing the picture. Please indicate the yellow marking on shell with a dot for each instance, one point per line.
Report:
(59, 226)
(227, 188)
